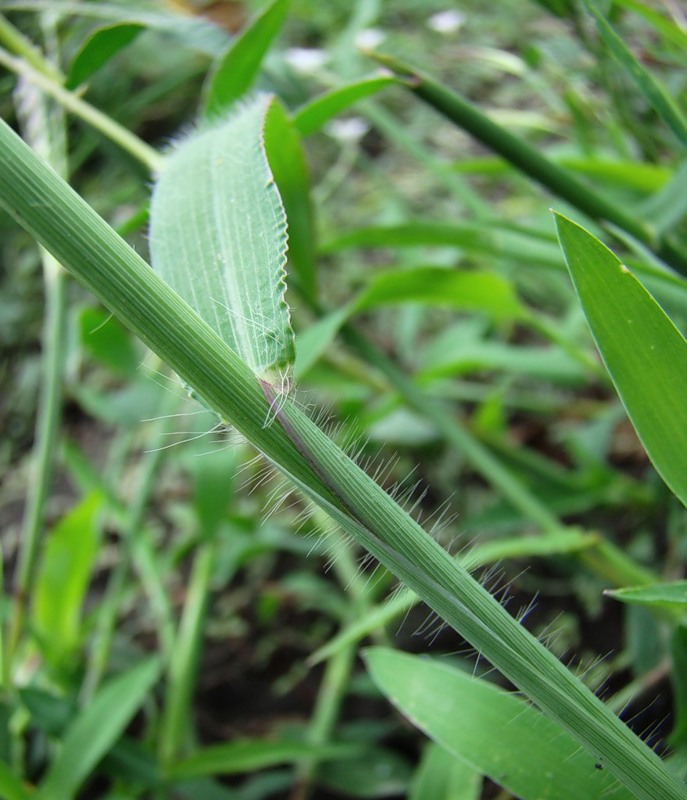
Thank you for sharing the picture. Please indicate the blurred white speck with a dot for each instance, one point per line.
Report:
(369, 38)
(446, 21)
(305, 59)
(347, 130)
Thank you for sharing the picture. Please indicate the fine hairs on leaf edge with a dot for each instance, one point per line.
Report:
(277, 374)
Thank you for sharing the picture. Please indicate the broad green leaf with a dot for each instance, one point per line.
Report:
(290, 170)
(653, 90)
(496, 732)
(94, 732)
(442, 776)
(63, 577)
(659, 594)
(99, 48)
(218, 237)
(250, 755)
(645, 354)
(311, 117)
(11, 787)
(238, 67)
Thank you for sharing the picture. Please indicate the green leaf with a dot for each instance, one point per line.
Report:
(474, 291)
(653, 90)
(496, 732)
(99, 48)
(218, 237)
(442, 776)
(470, 291)
(63, 577)
(11, 787)
(658, 594)
(290, 170)
(237, 68)
(375, 772)
(94, 732)
(311, 117)
(514, 245)
(249, 755)
(645, 354)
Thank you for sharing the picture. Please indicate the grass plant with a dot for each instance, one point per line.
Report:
(443, 337)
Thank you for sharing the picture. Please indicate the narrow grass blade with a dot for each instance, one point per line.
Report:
(667, 28)
(290, 169)
(441, 776)
(98, 49)
(495, 732)
(313, 116)
(659, 594)
(474, 291)
(653, 90)
(63, 577)
(645, 354)
(96, 729)
(236, 70)
(218, 237)
(249, 755)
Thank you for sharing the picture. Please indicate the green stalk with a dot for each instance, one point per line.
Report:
(46, 132)
(14, 40)
(56, 216)
(101, 122)
(107, 616)
(43, 456)
(530, 161)
(183, 665)
(337, 672)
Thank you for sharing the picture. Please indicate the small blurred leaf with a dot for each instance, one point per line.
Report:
(11, 787)
(315, 114)
(48, 712)
(213, 477)
(96, 729)
(678, 649)
(375, 772)
(107, 341)
(99, 48)
(442, 776)
(643, 351)
(658, 594)
(668, 28)
(235, 71)
(653, 90)
(496, 732)
(250, 755)
(218, 237)
(473, 291)
(63, 577)
(290, 170)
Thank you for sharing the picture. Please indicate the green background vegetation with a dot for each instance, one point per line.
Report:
(178, 620)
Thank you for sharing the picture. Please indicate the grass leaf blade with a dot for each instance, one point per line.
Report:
(645, 354)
